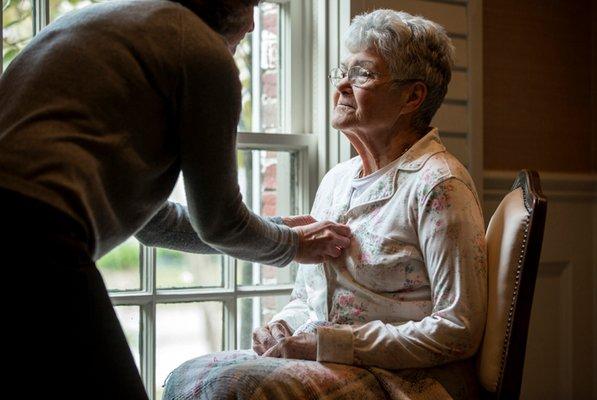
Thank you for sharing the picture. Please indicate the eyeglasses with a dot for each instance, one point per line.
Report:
(357, 76)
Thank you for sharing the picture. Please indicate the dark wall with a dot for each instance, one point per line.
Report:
(594, 81)
(538, 89)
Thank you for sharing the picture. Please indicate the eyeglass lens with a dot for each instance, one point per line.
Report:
(357, 76)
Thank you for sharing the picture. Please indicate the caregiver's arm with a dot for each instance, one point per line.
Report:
(208, 107)
(452, 238)
(171, 228)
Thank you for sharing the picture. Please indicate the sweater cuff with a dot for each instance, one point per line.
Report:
(276, 220)
(294, 240)
(335, 344)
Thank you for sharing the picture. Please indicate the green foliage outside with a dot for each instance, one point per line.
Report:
(123, 257)
(243, 62)
(177, 270)
(17, 28)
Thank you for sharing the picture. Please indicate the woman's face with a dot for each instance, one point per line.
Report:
(373, 106)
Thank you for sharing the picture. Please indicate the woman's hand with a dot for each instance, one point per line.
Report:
(321, 239)
(269, 335)
(300, 347)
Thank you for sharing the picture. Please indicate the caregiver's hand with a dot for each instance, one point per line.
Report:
(298, 220)
(269, 335)
(321, 239)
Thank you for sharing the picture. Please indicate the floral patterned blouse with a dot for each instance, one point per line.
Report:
(411, 289)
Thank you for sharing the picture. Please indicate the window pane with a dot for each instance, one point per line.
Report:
(257, 274)
(17, 28)
(130, 319)
(253, 312)
(185, 331)
(120, 268)
(268, 182)
(258, 61)
(60, 7)
(176, 269)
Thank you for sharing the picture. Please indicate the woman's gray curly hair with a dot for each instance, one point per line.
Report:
(413, 47)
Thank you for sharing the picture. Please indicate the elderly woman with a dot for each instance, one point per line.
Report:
(410, 290)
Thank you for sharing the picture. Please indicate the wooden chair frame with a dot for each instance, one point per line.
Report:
(512, 363)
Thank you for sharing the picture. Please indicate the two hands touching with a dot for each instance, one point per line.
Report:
(318, 239)
(275, 340)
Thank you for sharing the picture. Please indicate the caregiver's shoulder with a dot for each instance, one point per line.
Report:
(150, 17)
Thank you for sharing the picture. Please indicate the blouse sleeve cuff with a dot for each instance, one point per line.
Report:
(335, 344)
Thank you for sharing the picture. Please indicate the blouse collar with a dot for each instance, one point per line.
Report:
(413, 160)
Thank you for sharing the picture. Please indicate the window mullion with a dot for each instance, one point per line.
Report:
(229, 331)
(256, 208)
(263, 291)
(148, 324)
(2, 41)
(256, 73)
(41, 15)
(294, 72)
(275, 141)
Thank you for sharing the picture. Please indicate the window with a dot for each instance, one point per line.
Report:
(175, 306)
(17, 28)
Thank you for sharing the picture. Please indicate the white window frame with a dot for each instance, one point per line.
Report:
(299, 124)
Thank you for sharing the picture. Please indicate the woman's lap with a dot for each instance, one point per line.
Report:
(243, 375)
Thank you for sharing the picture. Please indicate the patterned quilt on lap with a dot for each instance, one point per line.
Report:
(243, 375)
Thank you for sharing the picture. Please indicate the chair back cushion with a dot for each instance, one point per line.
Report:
(506, 242)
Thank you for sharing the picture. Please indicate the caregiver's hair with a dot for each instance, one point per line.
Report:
(413, 47)
(223, 16)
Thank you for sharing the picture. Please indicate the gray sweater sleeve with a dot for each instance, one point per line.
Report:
(208, 100)
(171, 228)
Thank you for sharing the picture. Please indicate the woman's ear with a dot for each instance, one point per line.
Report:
(417, 93)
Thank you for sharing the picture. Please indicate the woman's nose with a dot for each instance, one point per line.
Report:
(344, 85)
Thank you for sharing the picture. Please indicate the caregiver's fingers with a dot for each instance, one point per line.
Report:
(339, 240)
(298, 220)
(319, 240)
(343, 230)
(336, 244)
